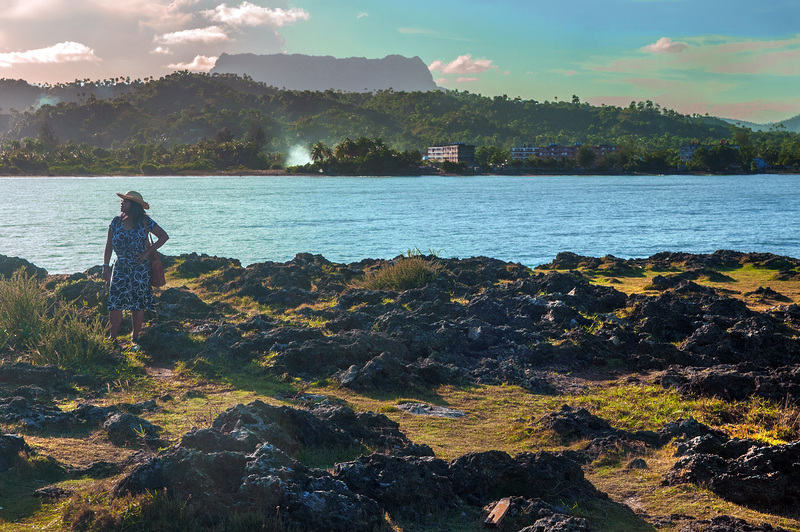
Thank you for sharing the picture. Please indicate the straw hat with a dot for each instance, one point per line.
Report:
(134, 196)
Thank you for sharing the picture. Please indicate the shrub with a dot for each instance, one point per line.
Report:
(403, 274)
(45, 331)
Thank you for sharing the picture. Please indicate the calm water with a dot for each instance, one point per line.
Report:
(60, 223)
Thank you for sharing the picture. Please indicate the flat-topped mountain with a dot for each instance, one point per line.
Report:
(319, 73)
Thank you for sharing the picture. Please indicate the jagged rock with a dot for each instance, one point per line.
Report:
(8, 265)
(327, 355)
(686, 429)
(194, 265)
(166, 340)
(424, 409)
(47, 377)
(385, 371)
(52, 493)
(524, 514)
(32, 414)
(558, 523)
(32, 392)
(127, 429)
(735, 382)
(478, 476)
(88, 292)
(765, 477)
(181, 304)
(726, 523)
(405, 486)
(11, 446)
(573, 425)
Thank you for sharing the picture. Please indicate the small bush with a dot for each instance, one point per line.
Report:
(23, 310)
(404, 274)
(45, 331)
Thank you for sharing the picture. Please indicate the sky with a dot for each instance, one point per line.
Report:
(733, 59)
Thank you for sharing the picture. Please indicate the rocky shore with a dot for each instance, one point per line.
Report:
(472, 323)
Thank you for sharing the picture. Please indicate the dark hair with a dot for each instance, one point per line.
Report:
(136, 213)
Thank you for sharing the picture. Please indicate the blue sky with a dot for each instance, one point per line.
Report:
(733, 59)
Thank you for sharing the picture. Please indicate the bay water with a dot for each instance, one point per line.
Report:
(60, 223)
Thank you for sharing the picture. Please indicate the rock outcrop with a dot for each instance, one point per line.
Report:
(319, 73)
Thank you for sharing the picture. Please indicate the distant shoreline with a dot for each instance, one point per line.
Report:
(282, 173)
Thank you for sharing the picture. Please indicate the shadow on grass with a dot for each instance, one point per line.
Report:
(17, 485)
(610, 516)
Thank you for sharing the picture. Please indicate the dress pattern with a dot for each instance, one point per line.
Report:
(130, 279)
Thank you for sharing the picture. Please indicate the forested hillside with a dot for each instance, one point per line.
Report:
(186, 109)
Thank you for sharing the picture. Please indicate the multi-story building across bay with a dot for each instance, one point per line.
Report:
(555, 151)
(454, 152)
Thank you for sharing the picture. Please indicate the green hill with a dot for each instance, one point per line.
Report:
(185, 107)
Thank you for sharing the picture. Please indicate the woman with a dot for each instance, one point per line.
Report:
(130, 281)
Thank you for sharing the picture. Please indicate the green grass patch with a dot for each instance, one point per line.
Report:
(325, 457)
(46, 331)
(403, 274)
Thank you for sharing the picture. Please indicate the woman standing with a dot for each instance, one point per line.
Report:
(130, 280)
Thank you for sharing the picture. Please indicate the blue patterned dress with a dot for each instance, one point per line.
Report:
(130, 280)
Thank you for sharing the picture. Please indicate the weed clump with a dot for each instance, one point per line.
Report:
(45, 331)
(403, 274)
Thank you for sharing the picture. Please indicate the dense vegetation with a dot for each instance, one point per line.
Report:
(196, 122)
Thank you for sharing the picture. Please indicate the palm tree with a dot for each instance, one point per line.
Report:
(320, 152)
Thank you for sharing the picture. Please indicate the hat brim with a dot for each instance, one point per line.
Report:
(141, 202)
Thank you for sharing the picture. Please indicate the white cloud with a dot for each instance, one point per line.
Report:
(211, 34)
(466, 80)
(464, 64)
(161, 50)
(248, 14)
(665, 46)
(63, 52)
(362, 15)
(200, 63)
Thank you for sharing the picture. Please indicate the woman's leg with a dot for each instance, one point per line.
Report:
(137, 319)
(115, 320)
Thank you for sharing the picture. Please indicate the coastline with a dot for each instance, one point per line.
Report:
(496, 173)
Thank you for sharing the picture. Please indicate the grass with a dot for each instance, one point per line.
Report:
(44, 331)
(403, 274)
(740, 282)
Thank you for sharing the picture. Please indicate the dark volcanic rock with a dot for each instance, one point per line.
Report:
(243, 461)
(735, 383)
(127, 429)
(9, 265)
(535, 515)
(763, 476)
(405, 486)
(327, 355)
(726, 523)
(194, 265)
(47, 377)
(181, 304)
(477, 477)
(11, 446)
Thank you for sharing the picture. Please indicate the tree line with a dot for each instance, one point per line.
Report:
(187, 122)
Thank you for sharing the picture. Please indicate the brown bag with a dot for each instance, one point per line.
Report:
(157, 278)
